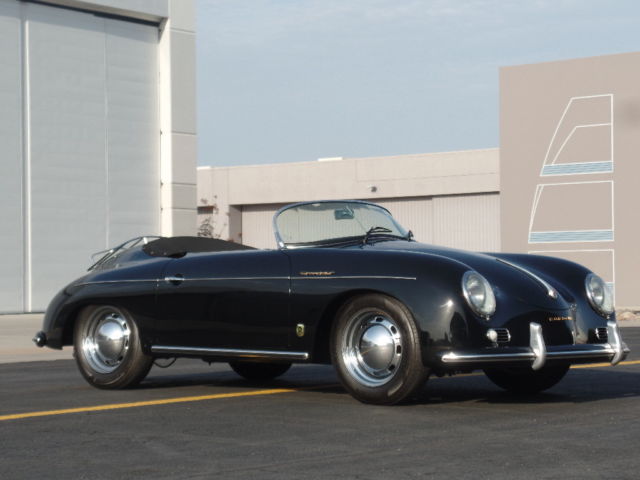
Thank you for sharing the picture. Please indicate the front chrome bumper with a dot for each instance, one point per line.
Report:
(538, 353)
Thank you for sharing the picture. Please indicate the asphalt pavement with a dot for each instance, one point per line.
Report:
(197, 421)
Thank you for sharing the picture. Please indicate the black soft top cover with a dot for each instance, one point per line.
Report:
(180, 246)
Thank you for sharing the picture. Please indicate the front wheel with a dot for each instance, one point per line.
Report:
(375, 349)
(107, 348)
(525, 380)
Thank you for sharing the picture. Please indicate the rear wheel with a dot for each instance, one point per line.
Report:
(259, 371)
(525, 380)
(107, 348)
(376, 351)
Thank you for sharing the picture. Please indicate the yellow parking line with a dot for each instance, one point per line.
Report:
(166, 401)
(598, 365)
(200, 398)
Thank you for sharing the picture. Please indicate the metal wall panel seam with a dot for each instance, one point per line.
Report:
(12, 176)
(107, 211)
(159, 139)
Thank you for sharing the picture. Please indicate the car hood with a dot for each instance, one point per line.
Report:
(508, 277)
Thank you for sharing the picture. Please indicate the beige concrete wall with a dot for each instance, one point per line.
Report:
(568, 163)
(395, 176)
(178, 119)
(463, 186)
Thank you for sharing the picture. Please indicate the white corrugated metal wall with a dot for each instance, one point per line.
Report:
(413, 213)
(85, 172)
(470, 222)
(257, 230)
(11, 240)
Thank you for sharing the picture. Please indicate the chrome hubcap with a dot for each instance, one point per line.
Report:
(372, 348)
(106, 340)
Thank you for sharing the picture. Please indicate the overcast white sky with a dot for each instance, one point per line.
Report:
(294, 80)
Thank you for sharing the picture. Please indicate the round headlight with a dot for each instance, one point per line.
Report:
(599, 294)
(479, 294)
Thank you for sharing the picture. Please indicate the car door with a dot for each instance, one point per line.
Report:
(236, 299)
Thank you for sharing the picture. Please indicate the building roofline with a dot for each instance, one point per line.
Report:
(347, 159)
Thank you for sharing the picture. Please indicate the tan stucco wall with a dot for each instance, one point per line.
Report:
(569, 167)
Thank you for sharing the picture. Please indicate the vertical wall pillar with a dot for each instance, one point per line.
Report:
(178, 149)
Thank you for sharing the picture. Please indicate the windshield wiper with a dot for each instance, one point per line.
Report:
(373, 230)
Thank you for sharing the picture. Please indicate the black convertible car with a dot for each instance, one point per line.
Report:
(348, 286)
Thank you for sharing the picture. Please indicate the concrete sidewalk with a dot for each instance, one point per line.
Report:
(16, 332)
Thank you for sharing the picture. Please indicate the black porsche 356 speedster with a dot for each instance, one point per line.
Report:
(348, 286)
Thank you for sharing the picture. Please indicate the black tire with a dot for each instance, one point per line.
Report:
(110, 363)
(524, 381)
(259, 370)
(384, 372)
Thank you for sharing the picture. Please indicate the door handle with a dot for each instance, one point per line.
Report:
(176, 279)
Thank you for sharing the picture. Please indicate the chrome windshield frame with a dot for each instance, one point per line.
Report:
(110, 252)
(283, 246)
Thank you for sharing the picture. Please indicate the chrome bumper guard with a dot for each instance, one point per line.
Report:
(537, 353)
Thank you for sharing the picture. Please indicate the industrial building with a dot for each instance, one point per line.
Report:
(563, 183)
(444, 198)
(98, 130)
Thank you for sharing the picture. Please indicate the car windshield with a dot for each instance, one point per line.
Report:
(331, 223)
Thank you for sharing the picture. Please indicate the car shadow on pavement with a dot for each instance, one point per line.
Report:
(579, 386)
(315, 377)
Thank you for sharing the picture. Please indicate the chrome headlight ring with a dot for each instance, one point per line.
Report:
(599, 295)
(478, 293)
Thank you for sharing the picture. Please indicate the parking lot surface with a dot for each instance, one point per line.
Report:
(197, 421)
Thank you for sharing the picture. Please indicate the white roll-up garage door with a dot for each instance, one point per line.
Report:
(85, 173)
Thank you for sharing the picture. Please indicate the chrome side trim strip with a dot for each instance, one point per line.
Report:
(342, 277)
(550, 290)
(101, 282)
(210, 279)
(218, 279)
(229, 352)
